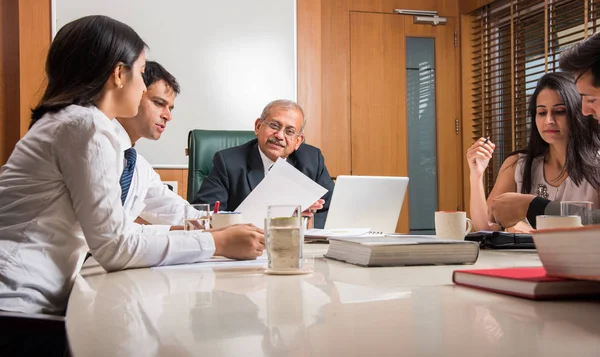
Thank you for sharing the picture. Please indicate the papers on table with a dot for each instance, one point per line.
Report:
(217, 262)
(349, 232)
(284, 185)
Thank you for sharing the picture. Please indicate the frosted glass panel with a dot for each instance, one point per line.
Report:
(422, 158)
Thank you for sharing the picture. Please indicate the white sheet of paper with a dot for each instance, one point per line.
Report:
(284, 185)
(217, 262)
(337, 233)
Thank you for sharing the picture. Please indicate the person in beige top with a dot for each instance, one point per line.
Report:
(551, 166)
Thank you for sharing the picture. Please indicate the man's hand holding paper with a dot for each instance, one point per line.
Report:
(284, 185)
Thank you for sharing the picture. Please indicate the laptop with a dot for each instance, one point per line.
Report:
(366, 202)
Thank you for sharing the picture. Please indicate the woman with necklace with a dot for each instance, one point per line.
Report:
(552, 165)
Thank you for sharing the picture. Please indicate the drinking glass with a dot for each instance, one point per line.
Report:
(577, 208)
(197, 217)
(284, 236)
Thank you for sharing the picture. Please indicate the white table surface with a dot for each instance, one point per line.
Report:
(339, 310)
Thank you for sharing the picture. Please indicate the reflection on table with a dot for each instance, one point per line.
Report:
(338, 310)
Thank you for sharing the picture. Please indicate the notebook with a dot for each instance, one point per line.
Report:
(530, 283)
(366, 201)
(401, 250)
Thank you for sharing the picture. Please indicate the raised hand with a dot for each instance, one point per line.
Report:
(313, 208)
(479, 155)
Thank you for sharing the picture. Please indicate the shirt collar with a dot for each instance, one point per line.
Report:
(124, 139)
(267, 163)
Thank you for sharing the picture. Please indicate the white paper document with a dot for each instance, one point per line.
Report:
(284, 185)
(349, 232)
(218, 262)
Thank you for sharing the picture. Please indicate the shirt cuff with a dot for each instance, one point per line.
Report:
(153, 229)
(536, 208)
(207, 244)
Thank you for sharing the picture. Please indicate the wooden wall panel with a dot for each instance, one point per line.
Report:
(335, 70)
(9, 78)
(34, 42)
(335, 107)
(443, 7)
(179, 175)
(185, 184)
(467, 95)
(309, 67)
(462, 124)
(24, 41)
(378, 103)
(467, 6)
(449, 157)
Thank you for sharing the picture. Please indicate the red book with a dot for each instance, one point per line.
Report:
(530, 283)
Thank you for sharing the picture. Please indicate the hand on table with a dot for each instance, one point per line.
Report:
(521, 227)
(240, 241)
(509, 208)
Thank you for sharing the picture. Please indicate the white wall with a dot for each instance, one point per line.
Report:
(231, 57)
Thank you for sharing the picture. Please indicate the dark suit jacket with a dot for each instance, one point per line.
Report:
(238, 170)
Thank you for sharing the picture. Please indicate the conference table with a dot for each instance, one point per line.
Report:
(234, 309)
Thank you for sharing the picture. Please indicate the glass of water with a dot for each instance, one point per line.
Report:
(197, 217)
(582, 209)
(284, 237)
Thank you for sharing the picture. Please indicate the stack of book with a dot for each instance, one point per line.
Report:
(570, 252)
(401, 250)
(571, 268)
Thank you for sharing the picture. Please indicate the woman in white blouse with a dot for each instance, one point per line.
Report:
(59, 191)
(560, 162)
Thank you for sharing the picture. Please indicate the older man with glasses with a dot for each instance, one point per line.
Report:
(279, 133)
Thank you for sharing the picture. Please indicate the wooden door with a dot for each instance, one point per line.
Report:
(380, 102)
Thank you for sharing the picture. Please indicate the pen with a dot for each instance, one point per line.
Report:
(217, 204)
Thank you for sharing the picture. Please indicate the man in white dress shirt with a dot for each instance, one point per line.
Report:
(147, 199)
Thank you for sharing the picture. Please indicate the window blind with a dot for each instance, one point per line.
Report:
(514, 43)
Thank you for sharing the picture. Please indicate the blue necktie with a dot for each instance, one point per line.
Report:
(130, 156)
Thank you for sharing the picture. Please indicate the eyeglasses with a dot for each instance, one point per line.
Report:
(289, 132)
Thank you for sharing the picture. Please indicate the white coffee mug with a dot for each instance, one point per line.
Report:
(549, 222)
(224, 219)
(452, 225)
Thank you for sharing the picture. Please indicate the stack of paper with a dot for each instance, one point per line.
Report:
(323, 234)
(402, 250)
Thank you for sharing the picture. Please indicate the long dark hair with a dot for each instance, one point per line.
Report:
(582, 161)
(81, 59)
